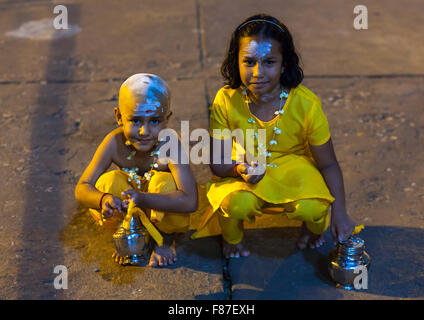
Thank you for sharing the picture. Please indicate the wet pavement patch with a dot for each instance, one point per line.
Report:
(96, 247)
(42, 30)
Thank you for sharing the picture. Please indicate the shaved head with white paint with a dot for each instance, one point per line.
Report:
(144, 93)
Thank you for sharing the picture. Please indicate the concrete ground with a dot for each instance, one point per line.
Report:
(57, 93)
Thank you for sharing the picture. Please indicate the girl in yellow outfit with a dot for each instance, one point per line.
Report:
(163, 187)
(301, 175)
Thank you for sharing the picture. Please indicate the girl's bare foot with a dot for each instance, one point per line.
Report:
(164, 255)
(307, 238)
(118, 259)
(234, 250)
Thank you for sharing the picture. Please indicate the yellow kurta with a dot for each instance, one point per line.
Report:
(295, 176)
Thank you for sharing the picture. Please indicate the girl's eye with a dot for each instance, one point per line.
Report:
(135, 121)
(154, 121)
(249, 62)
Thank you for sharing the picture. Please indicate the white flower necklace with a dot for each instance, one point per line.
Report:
(262, 149)
(132, 173)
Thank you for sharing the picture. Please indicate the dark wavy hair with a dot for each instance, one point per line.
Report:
(292, 74)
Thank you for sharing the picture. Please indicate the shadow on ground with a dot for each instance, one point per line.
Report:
(277, 270)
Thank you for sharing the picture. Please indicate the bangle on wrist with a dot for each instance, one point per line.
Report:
(235, 170)
(101, 199)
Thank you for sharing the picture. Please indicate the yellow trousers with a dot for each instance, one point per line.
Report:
(116, 182)
(243, 205)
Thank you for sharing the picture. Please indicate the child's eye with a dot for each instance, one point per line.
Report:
(135, 121)
(269, 62)
(154, 121)
(249, 62)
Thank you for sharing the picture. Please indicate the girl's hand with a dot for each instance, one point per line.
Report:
(135, 196)
(110, 204)
(341, 226)
(252, 173)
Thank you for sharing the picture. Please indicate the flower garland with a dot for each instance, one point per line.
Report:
(263, 149)
(132, 173)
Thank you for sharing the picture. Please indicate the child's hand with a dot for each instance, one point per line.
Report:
(133, 195)
(252, 173)
(341, 226)
(110, 204)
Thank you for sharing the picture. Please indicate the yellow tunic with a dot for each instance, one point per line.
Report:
(295, 176)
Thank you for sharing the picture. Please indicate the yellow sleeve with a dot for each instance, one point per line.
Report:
(318, 131)
(219, 118)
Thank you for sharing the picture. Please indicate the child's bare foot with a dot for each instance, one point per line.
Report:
(164, 255)
(234, 250)
(118, 259)
(307, 238)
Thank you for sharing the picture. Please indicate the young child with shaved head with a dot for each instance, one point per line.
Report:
(164, 188)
